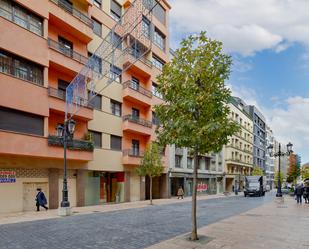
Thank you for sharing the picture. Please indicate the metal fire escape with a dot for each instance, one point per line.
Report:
(128, 41)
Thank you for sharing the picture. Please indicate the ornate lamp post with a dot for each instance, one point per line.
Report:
(270, 150)
(65, 132)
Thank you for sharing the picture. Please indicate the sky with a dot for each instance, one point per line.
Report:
(269, 43)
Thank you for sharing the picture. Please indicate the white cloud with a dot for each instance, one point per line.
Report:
(289, 121)
(245, 26)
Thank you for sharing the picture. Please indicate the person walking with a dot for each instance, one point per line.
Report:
(180, 193)
(306, 194)
(40, 200)
(299, 191)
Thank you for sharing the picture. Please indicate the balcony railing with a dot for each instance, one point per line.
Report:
(137, 120)
(67, 51)
(133, 153)
(61, 94)
(73, 11)
(132, 85)
(135, 55)
(73, 144)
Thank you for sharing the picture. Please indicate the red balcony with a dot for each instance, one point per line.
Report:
(136, 93)
(137, 125)
(132, 157)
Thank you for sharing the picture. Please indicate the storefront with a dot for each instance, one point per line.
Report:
(104, 187)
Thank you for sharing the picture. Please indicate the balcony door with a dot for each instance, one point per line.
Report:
(62, 85)
(135, 114)
(65, 46)
(67, 5)
(135, 147)
(135, 83)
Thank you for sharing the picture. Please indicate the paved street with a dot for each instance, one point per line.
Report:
(132, 228)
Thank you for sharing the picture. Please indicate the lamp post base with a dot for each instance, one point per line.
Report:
(64, 211)
(279, 195)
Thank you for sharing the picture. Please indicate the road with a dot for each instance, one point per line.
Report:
(132, 228)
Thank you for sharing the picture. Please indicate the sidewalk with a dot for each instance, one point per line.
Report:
(272, 226)
(7, 218)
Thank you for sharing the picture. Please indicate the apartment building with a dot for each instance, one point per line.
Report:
(269, 161)
(259, 132)
(210, 172)
(238, 153)
(44, 44)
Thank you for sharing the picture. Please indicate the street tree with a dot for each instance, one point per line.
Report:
(293, 171)
(305, 172)
(257, 171)
(276, 177)
(195, 114)
(151, 164)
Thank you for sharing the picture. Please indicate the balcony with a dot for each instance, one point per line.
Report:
(137, 125)
(65, 57)
(236, 161)
(140, 65)
(136, 93)
(57, 103)
(132, 157)
(72, 19)
(74, 144)
(13, 143)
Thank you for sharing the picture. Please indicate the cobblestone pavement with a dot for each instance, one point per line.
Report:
(131, 228)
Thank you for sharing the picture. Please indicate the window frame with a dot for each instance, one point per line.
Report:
(93, 133)
(119, 148)
(113, 105)
(96, 23)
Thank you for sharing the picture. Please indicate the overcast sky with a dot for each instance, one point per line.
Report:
(269, 42)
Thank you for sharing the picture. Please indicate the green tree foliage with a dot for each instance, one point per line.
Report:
(151, 164)
(196, 113)
(276, 178)
(257, 171)
(305, 173)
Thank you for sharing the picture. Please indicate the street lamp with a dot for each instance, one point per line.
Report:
(270, 150)
(65, 132)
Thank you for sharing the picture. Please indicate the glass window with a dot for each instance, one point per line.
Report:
(36, 25)
(97, 3)
(6, 9)
(97, 27)
(115, 73)
(65, 46)
(135, 148)
(62, 86)
(95, 101)
(178, 161)
(115, 143)
(159, 12)
(146, 27)
(115, 10)
(155, 119)
(135, 83)
(157, 62)
(115, 108)
(189, 162)
(96, 62)
(20, 16)
(155, 90)
(116, 40)
(96, 138)
(159, 39)
(135, 113)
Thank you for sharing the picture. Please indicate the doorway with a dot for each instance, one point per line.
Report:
(30, 192)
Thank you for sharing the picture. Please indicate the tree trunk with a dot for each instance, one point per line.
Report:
(194, 223)
(150, 189)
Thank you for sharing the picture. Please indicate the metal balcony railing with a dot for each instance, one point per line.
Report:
(132, 85)
(73, 144)
(133, 153)
(137, 120)
(73, 11)
(67, 51)
(135, 55)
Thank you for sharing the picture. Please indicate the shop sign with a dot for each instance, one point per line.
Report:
(7, 176)
(201, 187)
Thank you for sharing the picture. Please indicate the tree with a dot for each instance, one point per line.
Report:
(151, 164)
(305, 172)
(257, 171)
(294, 170)
(196, 114)
(276, 178)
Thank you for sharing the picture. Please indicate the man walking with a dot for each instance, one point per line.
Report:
(299, 191)
(180, 193)
(40, 200)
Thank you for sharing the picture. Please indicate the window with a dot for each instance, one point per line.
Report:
(178, 160)
(207, 163)
(135, 113)
(146, 27)
(115, 73)
(95, 101)
(159, 13)
(115, 11)
(20, 68)
(62, 86)
(96, 62)
(66, 5)
(159, 39)
(96, 138)
(65, 46)
(116, 40)
(115, 142)
(115, 108)
(189, 162)
(21, 16)
(157, 62)
(18, 121)
(155, 119)
(155, 92)
(135, 84)
(135, 148)
(97, 3)
(97, 27)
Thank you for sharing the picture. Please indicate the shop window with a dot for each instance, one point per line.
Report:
(18, 121)
(115, 143)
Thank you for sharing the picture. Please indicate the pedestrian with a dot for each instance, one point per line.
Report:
(180, 192)
(40, 200)
(306, 194)
(233, 188)
(299, 191)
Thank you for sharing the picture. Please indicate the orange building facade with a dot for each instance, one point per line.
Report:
(43, 46)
